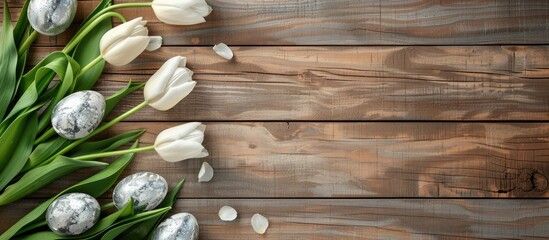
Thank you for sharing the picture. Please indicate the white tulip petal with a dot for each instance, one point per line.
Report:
(177, 133)
(206, 172)
(202, 8)
(260, 223)
(173, 96)
(126, 51)
(177, 4)
(155, 43)
(202, 154)
(118, 33)
(181, 142)
(191, 18)
(159, 81)
(179, 150)
(196, 135)
(223, 50)
(186, 12)
(140, 30)
(227, 213)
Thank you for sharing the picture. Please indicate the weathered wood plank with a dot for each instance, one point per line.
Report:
(361, 218)
(357, 22)
(282, 160)
(351, 83)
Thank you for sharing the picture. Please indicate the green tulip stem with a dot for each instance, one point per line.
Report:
(107, 206)
(111, 8)
(27, 43)
(81, 34)
(124, 5)
(96, 131)
(90, 65)
(115, 153)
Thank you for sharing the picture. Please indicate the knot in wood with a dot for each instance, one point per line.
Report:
(532, 180)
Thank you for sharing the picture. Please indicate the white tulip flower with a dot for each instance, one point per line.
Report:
(122, 44)
(169, 85)
(181, 12)
(181, 142)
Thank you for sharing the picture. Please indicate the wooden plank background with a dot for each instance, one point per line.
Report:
(352, 119)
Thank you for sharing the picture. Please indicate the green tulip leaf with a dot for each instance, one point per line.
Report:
(11, 136)
(44, 151)
(41, 176)
(105, 145)
(88, 49)
(22, 26)
(65, 88)
(95, 186)
(8, 65)
(22, 150)
(114, 99)
(126, 224)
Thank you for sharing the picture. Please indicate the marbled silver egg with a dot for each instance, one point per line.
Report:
(51, 17)
(146, 188)
(72, 214)
(78, 114)
(181, 226)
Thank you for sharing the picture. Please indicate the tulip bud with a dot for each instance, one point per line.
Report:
(181, 142)
(169, 85)
(181, 12)
(122, 44)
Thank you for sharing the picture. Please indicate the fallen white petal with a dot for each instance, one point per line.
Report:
(223, 50)
(155, 43)
(206, 173)
(227, 213)
(260, 223)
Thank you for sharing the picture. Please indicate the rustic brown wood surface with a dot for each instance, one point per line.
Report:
(350, 83)
(352, 119)
(354, 22)
(364, 218)
(323, 160)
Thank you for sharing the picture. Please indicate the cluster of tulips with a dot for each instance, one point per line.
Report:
(32, 155)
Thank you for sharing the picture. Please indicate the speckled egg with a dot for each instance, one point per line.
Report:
(146, 188)
(78, 114)
(72, 214)
(181, 226)
(51, 17)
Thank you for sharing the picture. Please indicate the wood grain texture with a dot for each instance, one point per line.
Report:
(362, 218)
(354, 22)
(326, 173)
(349, 160)
(350, 83)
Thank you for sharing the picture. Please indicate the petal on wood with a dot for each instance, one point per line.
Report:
(260, 223)
(206, 173)
(223, 50)
(227, 213)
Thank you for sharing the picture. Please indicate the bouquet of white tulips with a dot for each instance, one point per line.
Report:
(34, 153)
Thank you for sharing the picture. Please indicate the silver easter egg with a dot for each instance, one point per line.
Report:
(78, 114)
(146, 188)
(51, 17)
(72, 214)
(181, 226)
